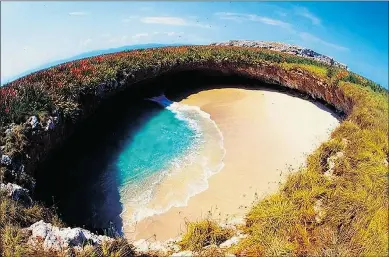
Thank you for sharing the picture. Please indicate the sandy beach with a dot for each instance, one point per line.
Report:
(266, 134)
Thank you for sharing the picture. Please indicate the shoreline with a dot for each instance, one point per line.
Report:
(253, 125)
(195, 167)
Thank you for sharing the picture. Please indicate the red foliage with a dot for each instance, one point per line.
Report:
(7, 92)
(99, 58)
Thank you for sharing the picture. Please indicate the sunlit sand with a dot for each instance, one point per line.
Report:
(266, 135)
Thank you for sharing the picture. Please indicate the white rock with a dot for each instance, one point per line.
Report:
(56, 239)
(6, 160)
(230, 242)
(33, 120)
(16, 192)
(286, 48)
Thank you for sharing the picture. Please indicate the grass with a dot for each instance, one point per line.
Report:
(352, 219)
(320, 71)
(355, 201)
(203, 233)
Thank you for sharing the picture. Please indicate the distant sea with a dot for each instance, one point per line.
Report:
(86, 55)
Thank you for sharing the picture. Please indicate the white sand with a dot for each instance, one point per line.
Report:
(265, 135)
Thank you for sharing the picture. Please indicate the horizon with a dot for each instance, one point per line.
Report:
(63, 30)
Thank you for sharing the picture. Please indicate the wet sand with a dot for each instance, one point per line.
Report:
(266, 135)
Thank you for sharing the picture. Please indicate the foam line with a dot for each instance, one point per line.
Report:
(193, 116)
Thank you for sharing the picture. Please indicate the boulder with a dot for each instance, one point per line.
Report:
(6, 160)
(17, 193)
(56, 239)
(34, 122)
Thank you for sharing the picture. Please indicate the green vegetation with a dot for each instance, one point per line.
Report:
(321, 210)
(317, 70)
(63, 84)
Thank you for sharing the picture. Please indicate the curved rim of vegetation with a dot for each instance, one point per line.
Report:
(336, 205)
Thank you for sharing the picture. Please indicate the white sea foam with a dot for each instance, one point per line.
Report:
(144, 193)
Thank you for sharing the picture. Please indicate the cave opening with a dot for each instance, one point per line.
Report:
(71, 177)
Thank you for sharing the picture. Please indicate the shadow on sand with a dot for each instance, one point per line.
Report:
(79, 178)
(179, 85)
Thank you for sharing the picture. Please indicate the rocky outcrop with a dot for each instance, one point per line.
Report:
(53, 238)
(17, 193)
(285, 48)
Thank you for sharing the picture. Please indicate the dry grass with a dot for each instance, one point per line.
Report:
(320, 71)
(203, 233)
(353, 201)
(13, 240)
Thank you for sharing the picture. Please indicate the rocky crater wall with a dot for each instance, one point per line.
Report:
(44, 135)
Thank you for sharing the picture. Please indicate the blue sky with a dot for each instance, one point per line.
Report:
(35, 33)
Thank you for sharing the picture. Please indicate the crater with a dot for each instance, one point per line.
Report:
(80, 177)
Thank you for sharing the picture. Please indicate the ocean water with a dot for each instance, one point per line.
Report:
(123, 168)
(168, 160)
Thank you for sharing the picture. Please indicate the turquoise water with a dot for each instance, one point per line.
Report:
(121, 170)
(159, 142)
(171, 147)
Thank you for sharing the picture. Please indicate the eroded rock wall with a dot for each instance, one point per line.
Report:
(44, 135)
